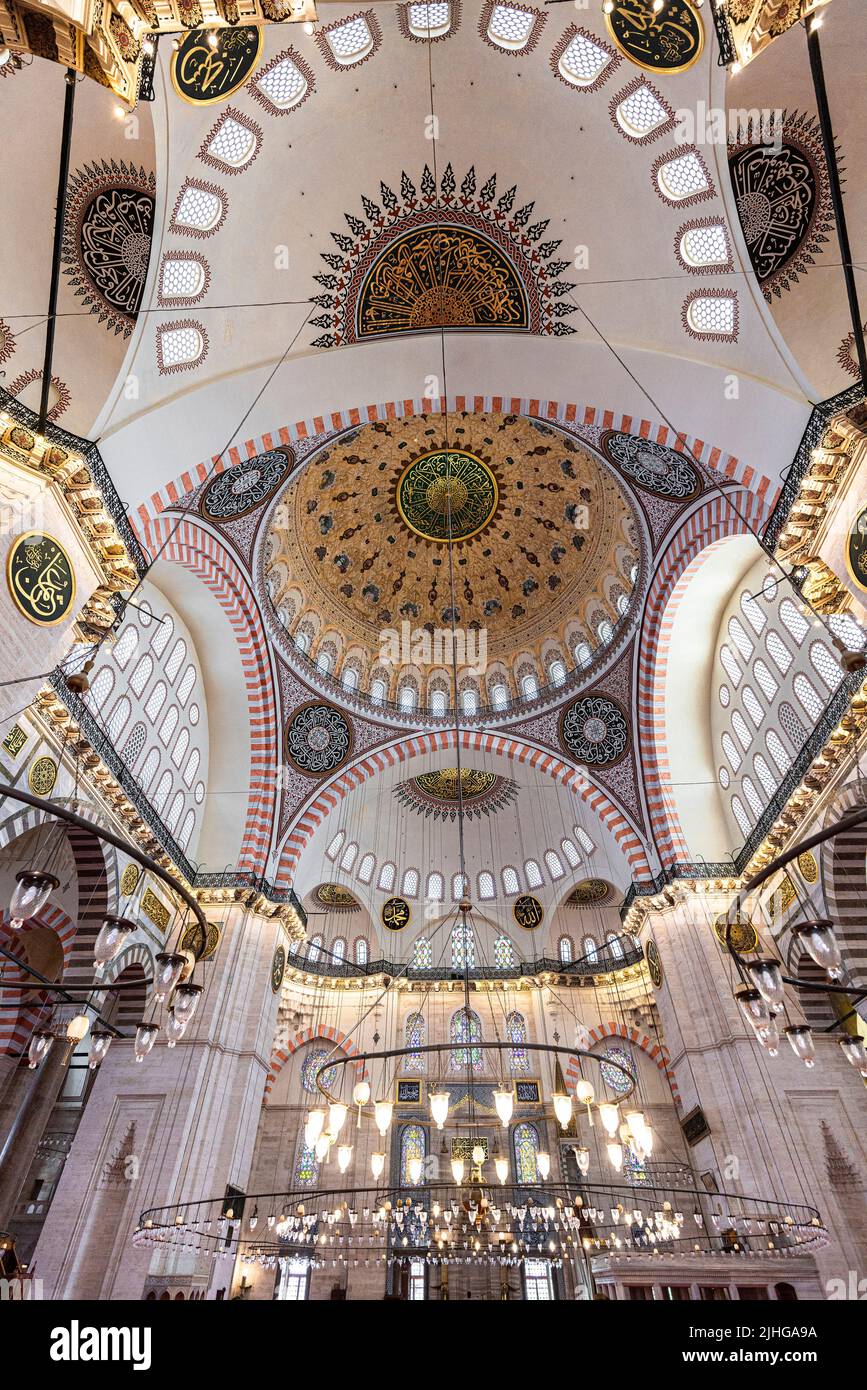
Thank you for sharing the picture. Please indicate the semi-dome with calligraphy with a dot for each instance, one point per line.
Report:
(545, 553)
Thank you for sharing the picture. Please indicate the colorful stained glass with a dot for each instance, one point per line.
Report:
(466, 1027)
(306, 1167)
(422, 957)
(526, 1145)
(413, 1144)
(414, 1035)
(516, 1029)
(504, 953)
(613, 1078)
(312, 1062)
(634, 1170)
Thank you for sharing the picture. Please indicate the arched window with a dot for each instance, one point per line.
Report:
(338, 950)
(499, 695)
(350, 42)
(753, 611)
(533, 874)
(334, 848)
(347, 858)
(553, 864)
(436, 887)
(186, 829)
(151, 763)
(465, 1028)
(808, 696)
(134, 745)
(583, 654)
(306, 1167)
(156, 700)
(361, 951)
(234, 143)
(728, 747)
(422, 955)
(605, 630)
(766, 679)
(516, 1029)
(199, 209)
(282, 85)
(825, 664)
(303, 639)
(406, 698)
(460, 887)
(366, 868)
(141, 675)
(163, 635)
(118, 719)
(314, 947)
(174, 815)
(125, 646)
(705, 245)
(463, 947)
(429, 21)
(438, 702)
(510, 27)
(557, 672)
(614, 945)
(764, 774)
(378, 691)
(413, 1144)
(572, 856)
(564, 949)
(504, 953)
(752, 796)
(191, 768)
(469, 701)
(794, 622)
(752, 706)
(525, 1141)
(161, 795)
(487, 887)
(682, 178)
(173, 665)
(739, 725)
(415, 1036)
(325, 662)
(170, 720)
(583, 839)
(313, 1061)
(730, 665)
(386, 877)
(511, 883)
(741, 816)
(349, 678)
(529, 686)
(712, 315)
(590, 950)
(583, 62)
(185, 689)
(738, 635)
(410, 883)
(181, 744)
(778, 652)
(775, 747)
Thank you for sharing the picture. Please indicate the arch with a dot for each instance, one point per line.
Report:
(689, 547)
(16, 1025)
(196, 549)
(408, 746)
(280, 1055)
(844, 876)
(133, 966)
(655, 1051)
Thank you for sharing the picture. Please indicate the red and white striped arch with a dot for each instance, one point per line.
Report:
(280, 1056)
(16, 1025)
(558, 412)
(714, 521)
(504, 744)
(198, 550)
(655, 1051)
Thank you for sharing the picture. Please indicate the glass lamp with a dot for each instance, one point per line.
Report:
(478, 1155)
(322, 1145)
(819, 939)
(30, 894)
(314, 1125)
(505, 1102)
(501, 1166)
(753, 1007)
(582, 1158)
(344, 1157)
(585, 1094)
(77, 1028)
(414, 1170)
(615, 1155)
(458, 1170)
(562, 1107)
(766, 976)
(100, 1042)
(382, 1115)
(112, 935)
(41, 1043)
(175, 1028)
(377, 1165)
(853, 1050)
(361, 1093)
(337, 1113)
(801, 1042)
(169, 965)
(543, 1164)
(610, 1117)
(186, 1000)
(145, 1037)
(439, 1107)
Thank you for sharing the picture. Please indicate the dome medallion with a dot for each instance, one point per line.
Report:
(447, 494)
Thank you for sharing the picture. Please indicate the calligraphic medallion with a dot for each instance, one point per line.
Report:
(447, 495)
(744, 936)
(129, 879)
(395, 914)
(654, 964)
(443, 784)
(203, 75)
(528, 912)
(441, 277)
(856, 550)
(40, 578)
(667, 40)
(203, 945)
(41, 776)
(278, 968)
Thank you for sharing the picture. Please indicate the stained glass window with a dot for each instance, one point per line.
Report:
(414, 1036)
(504, 954)
(614, 1079)
(525, 1140)
(463, 948)
(306, 1167)
(466, 1027)
(413, 1144)
(633, 1168)
(422, 956)
(516, 1029)
(312, 1062)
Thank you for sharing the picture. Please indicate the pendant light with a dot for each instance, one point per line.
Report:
(853, 1050)
(439, 1107)
(31, 892)
(505, 1103)
(145, 1037)
(458, 1170)
(615, 1155)
(344, 1157)
(819, 939)
(582, 1158)
(175, 1028)
(585, 1094)
(169, 965)
(562, 1103)
(377, 1165)
(111, 938)
(41, 1043)
(610, 1117)
(77, 1029)
(543, 1164)
(753, 1007)
(186, 1000)
(100, 1042)
(337, 1113)
(414, 1169)
(501, 1167)
(313, 1126)
(382, 1111)
(768, 980)
(802, 1044)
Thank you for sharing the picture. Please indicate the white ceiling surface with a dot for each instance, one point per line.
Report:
(500, 113)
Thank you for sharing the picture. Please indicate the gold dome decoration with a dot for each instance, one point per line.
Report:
(447, 495)
(744, 936)
(590, 892)
(41, 776)
(333, 896)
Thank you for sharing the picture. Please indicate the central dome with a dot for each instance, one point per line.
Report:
(544, 559)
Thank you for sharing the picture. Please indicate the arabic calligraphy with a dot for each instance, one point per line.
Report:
(40, 578)
(203, 75)
(668, 40)
(776, 198)
(441, 277)
(856, 549)
(446, 495)
(395, 914)
(528, 912)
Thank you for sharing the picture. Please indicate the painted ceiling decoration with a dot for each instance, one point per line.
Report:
(547, 540)
(107, 239)
(667, 39)
(590, 892)
(595, 731)
(442, 257)
(203, 75)
(338, 899)
(7, 337)
(783, 200)
(318, 738)
(436, 793)
(246, 486)
(651, 466)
